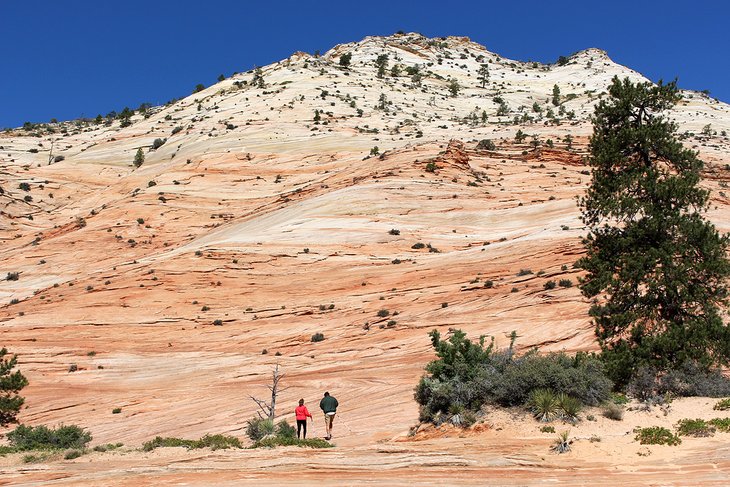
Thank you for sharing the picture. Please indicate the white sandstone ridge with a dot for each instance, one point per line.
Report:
(331, 108)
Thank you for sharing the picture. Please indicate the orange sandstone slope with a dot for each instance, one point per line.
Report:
(254, 227)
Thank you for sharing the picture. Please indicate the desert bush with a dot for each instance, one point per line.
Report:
(258, 428)
(470, 374)
(176, 130)
(565, 283)
(274, 441)
(569, 407)
(722, 424)
(43, 438)
(547, 429)
(562, 443)
(695, 427)
(722, 405)
(549, 285)
(71, 454)
(383, 313)
(285, 430)
(524, 272)
(613, 411)
(317, 337)
(486, 144)
(689, 379)
(394, 231)
(656, 435)
(157, 143)
(116, 410)
(543, 403)
(215, 442)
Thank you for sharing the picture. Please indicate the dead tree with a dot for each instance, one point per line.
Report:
(269, 408)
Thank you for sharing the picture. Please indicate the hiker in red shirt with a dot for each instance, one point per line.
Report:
(302, 414)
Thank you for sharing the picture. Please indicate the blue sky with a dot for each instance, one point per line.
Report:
(72, 58)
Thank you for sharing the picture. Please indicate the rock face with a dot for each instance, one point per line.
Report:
(302, 205)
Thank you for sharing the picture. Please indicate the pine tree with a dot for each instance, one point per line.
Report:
(556, 95)
(656, 268)
(138, 158)
(258, 78)
(382, 64)
(345, 60)
(454, 87)
(10, 385)
(483, 75)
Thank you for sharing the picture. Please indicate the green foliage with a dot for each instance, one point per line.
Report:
(274, 441)
(258, 428)
(486, 144)
(689, 379)
(470, 374)
(569, 407)
(520, 136)
(345, 60)
(157, 143)
(285, 430)
(543, 403)
(214, 442)
(562, 443)
(565, 283)
(10, 385)
(722, 424)
(43, 438)
(547, 429)
(71, 454)
(138, 158)
(656, 435)
(722, 405)
(454, 87)
(660, 263)
(317, 337)
(695, 427)
(556, 95)
(381, 62)
(613, 411)
(258, 78)
(483, 75)
(198, 88)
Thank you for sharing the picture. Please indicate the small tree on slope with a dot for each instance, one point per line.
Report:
(10, 385)
(656, 268)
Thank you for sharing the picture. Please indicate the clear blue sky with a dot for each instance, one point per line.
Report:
(72, 58)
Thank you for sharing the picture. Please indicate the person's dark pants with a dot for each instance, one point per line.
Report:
(302, 423)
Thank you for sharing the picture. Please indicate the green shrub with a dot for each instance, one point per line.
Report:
(569, 407)
(549, 285)
(258, 428)
(723, 424)
(71, 454)
(694, 427)
(524, 272)
(317, 337)
(4, 450)
(43, 438)
(116, 410)
(383, 313)
(565, 283)
(547, 429)
(471, 374)
(656, 435)
(486, 144)
(543, 403)
(215, 442)
(285, 430)
(274, 441)
(562, 443)
(722, 405)
(613, 411)
(689, 379)
(157, 143)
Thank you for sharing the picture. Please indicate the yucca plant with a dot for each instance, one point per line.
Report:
(543, 403)
(569, 407)
(562, 444)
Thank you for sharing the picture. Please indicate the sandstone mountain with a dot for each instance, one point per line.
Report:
(306, 197)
